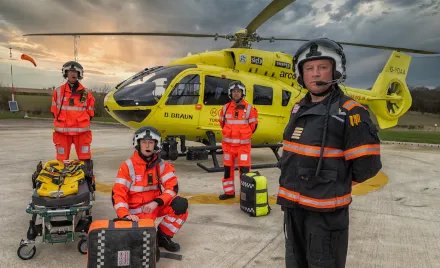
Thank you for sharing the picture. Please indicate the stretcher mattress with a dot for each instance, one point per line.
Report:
(83, 195)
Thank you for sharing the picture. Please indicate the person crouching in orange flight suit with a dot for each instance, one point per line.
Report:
(239, 121)
(73, 108)
(146, 187)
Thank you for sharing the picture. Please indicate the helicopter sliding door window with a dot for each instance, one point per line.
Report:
(263, 95)
(186, 91)
(216, 90)
(286, 97)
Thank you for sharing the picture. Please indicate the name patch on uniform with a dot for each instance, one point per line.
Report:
(295, 109)
(138, 178)
(355, 119)
(297, 133)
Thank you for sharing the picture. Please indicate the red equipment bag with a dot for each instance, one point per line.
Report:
(122, 243)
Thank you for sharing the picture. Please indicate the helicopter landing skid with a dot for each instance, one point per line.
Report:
(212, 148)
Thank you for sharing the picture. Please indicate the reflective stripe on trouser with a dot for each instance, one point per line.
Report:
(63, 143)
(172, 223)
(228, 185)
(72, 129)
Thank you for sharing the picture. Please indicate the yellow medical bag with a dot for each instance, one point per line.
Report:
(254, 198)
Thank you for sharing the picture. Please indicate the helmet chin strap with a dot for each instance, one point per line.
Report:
(325, 92)
(238, 101)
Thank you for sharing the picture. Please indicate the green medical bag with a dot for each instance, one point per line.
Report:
(254, 198)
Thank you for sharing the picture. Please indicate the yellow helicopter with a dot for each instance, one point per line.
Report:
(183, 99)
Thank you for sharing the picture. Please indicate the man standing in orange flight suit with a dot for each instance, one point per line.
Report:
(72, 109)
(239, 121)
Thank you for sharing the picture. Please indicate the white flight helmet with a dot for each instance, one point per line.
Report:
(236, 84)
(322, 48)
(73, 66)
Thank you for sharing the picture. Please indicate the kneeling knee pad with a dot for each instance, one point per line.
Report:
(179, 205)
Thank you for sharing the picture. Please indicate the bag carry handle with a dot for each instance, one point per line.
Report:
(111, 224)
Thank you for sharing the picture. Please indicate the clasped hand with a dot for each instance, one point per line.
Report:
(150, 207)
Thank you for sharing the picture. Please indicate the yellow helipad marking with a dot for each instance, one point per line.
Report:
(373, 184)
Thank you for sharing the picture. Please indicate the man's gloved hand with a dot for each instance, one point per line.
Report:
(179, 205)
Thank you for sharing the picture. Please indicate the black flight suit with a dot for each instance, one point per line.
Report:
(315, 206)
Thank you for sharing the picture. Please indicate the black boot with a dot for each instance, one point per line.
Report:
(226, 196)
(165, 241)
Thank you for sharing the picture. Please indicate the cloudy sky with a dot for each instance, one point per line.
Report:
(108, 60)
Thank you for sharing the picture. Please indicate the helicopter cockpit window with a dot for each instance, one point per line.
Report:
(263, 95)
(216, 90)
(147, 89)
(186, 91)
(286, 97)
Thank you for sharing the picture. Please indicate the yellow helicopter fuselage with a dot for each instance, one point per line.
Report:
(185, 97)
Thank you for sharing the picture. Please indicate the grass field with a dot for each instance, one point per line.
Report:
(417, 136)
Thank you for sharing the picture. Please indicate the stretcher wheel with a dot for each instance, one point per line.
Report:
(82, 246)
(26, 252)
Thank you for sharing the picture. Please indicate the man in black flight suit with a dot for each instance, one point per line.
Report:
(329, 142)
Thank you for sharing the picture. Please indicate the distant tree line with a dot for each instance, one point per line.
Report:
(425, 100)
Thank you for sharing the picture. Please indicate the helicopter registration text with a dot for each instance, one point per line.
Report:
(177, 115)
(397, 70)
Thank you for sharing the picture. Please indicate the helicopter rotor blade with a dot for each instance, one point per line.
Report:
(273, 8)
(410, 50)
(129, 33)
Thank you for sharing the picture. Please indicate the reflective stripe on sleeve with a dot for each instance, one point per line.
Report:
(172, 193)
(313, 151)
(121, 205)
(368, 149)
(124, 182)
(350, 104)
(166, 177)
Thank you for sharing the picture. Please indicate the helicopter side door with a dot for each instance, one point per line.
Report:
(215, 95)
(181, 111)
(267, 99)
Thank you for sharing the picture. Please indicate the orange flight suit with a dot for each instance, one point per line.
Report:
(72, 113)
(139, 183)
(238, 122)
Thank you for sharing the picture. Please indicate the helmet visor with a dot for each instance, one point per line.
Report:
(236, 85)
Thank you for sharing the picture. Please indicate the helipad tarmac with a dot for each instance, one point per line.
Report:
(394, 218)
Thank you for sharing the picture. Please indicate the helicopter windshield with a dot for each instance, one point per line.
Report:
(147, 87)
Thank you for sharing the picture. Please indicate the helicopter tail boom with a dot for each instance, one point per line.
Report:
(392, 97)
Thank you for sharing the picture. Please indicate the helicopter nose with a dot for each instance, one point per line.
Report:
(137, 116)
(124, 114)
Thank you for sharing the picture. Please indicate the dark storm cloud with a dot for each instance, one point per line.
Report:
(404, 23)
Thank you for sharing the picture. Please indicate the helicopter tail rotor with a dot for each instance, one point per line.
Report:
(392, 93)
